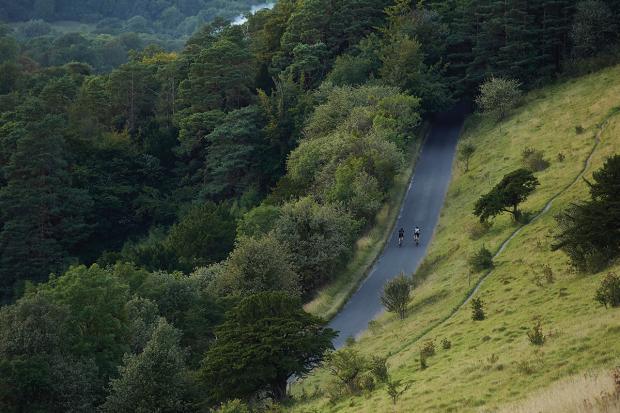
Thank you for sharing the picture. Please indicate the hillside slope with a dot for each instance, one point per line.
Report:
(492, 362)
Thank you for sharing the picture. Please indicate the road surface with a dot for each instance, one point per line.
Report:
(421, 207)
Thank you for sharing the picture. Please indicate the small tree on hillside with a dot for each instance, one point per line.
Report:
(396, 295)
(498, 95)
(466, 151)
(506, 196)
(589, 232)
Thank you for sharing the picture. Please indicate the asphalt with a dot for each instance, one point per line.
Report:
(421, 206)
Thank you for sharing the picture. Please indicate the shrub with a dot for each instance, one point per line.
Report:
(446, 344)
(548, 273)
(379, 368)
(534, 160)
(396, 295)
(579, 129)
(608, 292)
(477, 309)
(395, 389)
(350, 341)
(428, 349)
(423, 364)
(498, 96)
(482, 260)
(478, 229)
(347, 365)
(536, 335)
(466, 151)
(233, 406)
(561, 157)
(366, 382)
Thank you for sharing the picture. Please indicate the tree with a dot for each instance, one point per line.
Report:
(589, 232)
(466, 151)
(266, 339)
(258, 221)
(396, 295)
(204, 235)
(513, 189)
(477, 309)
(154, 380)
(95, 299)
(593, 28)
(320, 238)
(498, 96)
(256, 265)
(347, 365)
(43, 214)
(608, 292)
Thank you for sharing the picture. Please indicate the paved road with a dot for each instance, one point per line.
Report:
(421, 207)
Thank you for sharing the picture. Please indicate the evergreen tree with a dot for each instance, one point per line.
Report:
(43, 213)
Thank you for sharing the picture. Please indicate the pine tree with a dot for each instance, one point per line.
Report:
(41, 211)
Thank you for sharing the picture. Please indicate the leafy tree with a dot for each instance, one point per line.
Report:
(513, 189)
(257, 265)
(481, 260)
(320, 238)
(38, 370)
(466, 151)
(498, 96)
(96, 300)
(397, 295)
(264, 341)
(155, 379)
(204, 235)
(258, 221)
(588, 232)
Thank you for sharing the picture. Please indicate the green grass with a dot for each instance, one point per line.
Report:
(581, 334)
(330, 299)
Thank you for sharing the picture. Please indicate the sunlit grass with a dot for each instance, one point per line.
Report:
(492, 362)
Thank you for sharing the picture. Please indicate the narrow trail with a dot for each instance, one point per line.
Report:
(502, 247)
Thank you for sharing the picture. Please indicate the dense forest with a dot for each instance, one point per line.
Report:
(149, 206)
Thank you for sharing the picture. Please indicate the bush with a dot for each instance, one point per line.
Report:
(395, 389)
(347, 365)
(482, 260)
(561, 157)
(477, 229)
(477, 309)
(233, 406)
(423, 363)
(396, 295)
(498, 96)
(466, 151)
(446, 344)
(379, 368)
(428, 349)
(579, 129)
(536, 335)
(608, 292)
(534, 160)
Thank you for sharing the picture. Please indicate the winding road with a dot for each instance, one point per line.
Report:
(421, 206)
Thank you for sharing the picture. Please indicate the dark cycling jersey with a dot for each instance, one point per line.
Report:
(401, 234)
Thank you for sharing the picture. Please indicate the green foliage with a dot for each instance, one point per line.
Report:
(233, 406)
(397, 295)
(513, 189)
(204, 235)
(264, 340)
(534, 160)
(258, 221)
(319, 237)
(535, 335)
(395, 389)
(257, 265)
(379, 368)
(481, 260)
(593, 27)
(347, 366)
(588, 231)
(155, 379)
(608, 293)
(428, 349)
(466, 151)
(477, 309)
(498, 96)
(446, 344)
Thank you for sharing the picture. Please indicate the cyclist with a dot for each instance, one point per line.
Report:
(416, 235)
(401, 236)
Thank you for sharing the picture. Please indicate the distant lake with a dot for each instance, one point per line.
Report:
(240, 19)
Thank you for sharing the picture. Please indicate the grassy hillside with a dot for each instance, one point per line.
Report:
(492, 362)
